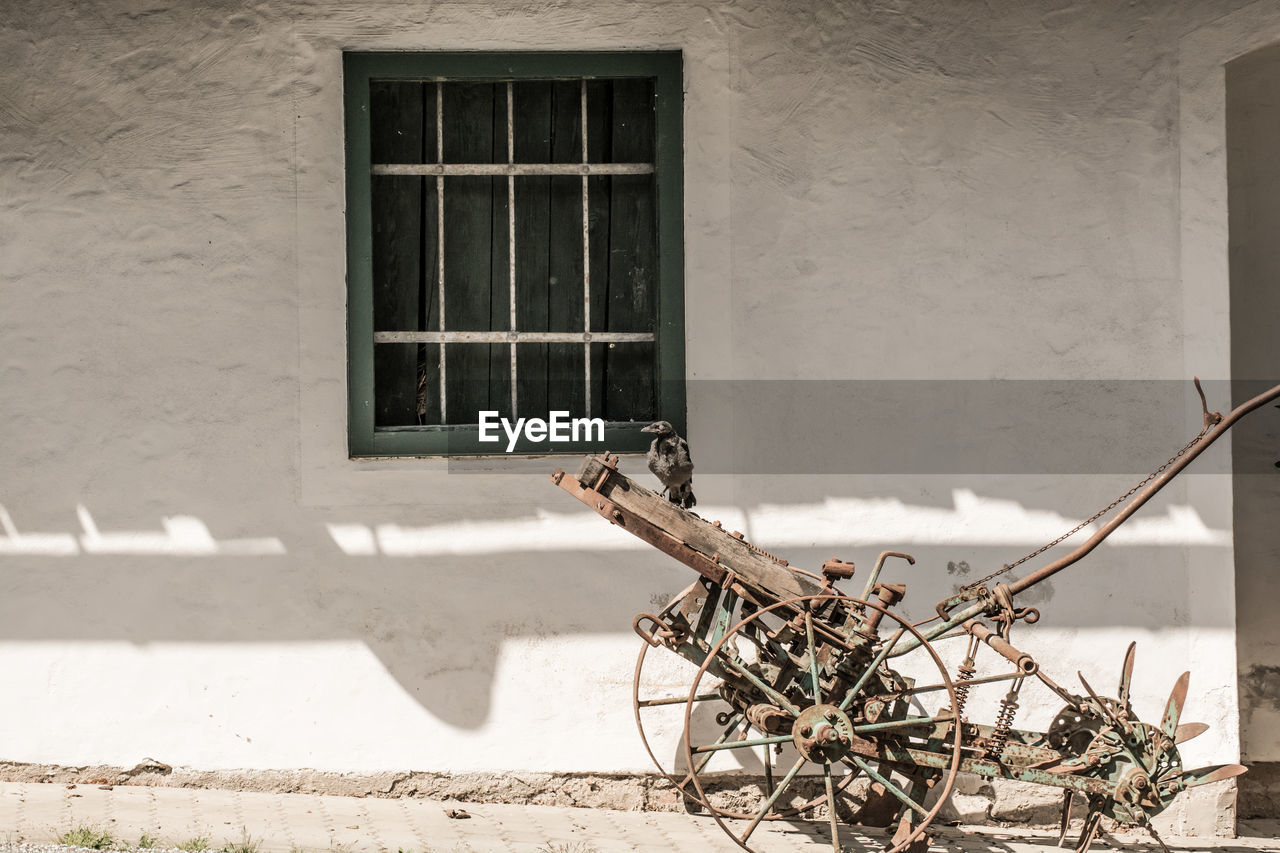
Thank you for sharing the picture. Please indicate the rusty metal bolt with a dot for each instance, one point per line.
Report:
(737, 534)
(805, 731)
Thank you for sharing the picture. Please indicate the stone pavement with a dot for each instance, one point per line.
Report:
(285, 823)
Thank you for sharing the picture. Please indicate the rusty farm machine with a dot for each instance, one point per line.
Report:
(845, 705)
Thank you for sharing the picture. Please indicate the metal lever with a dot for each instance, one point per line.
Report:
(869, 589)
(1211, 419)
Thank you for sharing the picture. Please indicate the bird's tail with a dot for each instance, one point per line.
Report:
(687, 500)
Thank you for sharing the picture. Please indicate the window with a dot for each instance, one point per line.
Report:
(514, 246)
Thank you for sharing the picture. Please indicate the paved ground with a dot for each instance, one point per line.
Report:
(39, 814)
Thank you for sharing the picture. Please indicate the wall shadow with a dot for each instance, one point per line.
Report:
(438, 620)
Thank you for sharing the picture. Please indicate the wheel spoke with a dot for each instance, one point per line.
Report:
(741, 744)
(813, 656)
(676, 700)
(904, 723)
(768, 770)
(734, 722)
(773, 798)
(973, 682)
(831, 807)
(889, 786)
(732, 658)
(871, 668)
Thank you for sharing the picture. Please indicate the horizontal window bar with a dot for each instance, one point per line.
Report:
(510, 337)
(448, 169)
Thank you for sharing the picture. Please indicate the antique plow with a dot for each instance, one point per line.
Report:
(846, 706)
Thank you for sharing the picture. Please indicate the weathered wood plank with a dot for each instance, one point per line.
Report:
(396, 135)
(566, 389)
(499, 262)
(699, 534)
(429, 402)
(532, 138)
(469, 215)
(633, 257)
(599, 148)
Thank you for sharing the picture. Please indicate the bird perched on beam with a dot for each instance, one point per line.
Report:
(669, 461)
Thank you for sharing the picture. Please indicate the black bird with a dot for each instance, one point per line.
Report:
(670, 462)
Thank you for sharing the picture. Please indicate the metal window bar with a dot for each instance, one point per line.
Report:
(511, 169)
(444, 411)
(510, 337)
(511, 239)
(500, 169)
(586, 261)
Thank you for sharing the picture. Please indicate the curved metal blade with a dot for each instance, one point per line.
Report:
(1089, 831)
(1126, 677)
(1173, 710)
(1216, 773)
(1093, 694)
(1187, 731)
(1067, 796)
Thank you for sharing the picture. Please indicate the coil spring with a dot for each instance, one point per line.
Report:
(963, 686)
(1004, 722)
(964, 675)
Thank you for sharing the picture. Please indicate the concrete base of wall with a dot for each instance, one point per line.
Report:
(1206, 811)
(1260, 791)
(1209, 810)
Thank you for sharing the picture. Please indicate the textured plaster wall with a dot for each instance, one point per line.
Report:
(923, 190)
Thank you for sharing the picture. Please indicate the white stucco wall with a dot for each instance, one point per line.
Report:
(926, 190)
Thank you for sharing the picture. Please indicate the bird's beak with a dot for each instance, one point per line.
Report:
(650, 428)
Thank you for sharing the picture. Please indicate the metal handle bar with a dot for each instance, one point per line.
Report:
(950, 620)
(1146, 494)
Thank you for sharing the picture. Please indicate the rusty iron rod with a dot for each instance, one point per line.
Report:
(958, 618)
(1146, 494)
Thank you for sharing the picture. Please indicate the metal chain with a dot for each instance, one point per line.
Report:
(1209, 424)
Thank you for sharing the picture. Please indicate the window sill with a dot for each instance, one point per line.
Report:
(465, 442)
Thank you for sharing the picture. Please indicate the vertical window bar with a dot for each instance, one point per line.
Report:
(586, 258)
(511, 237)
(440, 241)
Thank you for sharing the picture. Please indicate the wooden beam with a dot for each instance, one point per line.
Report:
(702, 536)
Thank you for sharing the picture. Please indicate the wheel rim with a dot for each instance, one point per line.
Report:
(804, 604)
(682, 783)
(637, 704)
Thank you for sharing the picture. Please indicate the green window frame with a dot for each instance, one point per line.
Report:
(658, 349)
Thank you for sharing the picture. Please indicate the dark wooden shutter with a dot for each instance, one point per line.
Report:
(547, 245)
